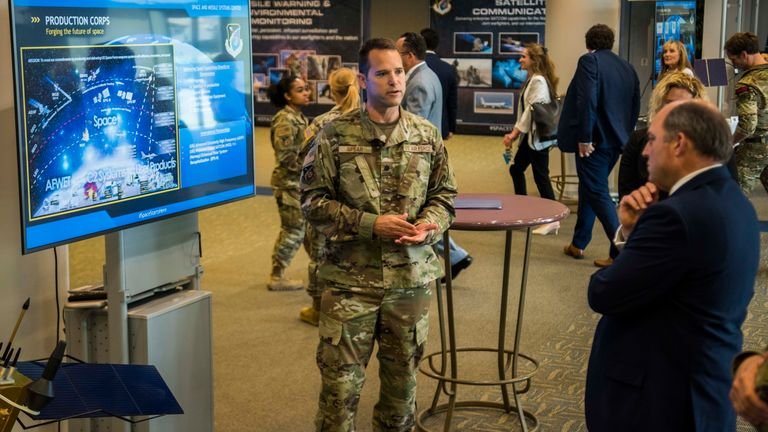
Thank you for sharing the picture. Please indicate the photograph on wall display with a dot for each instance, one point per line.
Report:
(295, 61)
(262, 62)
(352, 66)
(276, 74)
(494, 103)
(319, 67)
(312, 87)
(324, 93)
(472, 72)
(473, 43)
(508, 74)
(260, 80)
(261, 95)
(513, 43)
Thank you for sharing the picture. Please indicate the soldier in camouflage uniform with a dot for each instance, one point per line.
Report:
(287, 135)
(751, 137)
(379, 186)
(345, 92)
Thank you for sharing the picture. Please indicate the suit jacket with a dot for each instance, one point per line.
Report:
(449, 81)
(602, 102)
(673, 303)
(424, 96)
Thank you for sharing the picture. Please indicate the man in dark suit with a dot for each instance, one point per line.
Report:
(448, 80)
(599, 112)
(675, 297)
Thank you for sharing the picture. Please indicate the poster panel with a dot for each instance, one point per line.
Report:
(483, 40)
(308, 38)
(675, 20)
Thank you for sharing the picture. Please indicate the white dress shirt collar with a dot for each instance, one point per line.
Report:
(690, 176)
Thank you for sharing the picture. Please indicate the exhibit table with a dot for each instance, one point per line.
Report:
(488, 212)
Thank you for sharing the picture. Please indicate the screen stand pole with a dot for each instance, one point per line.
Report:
(117, 311)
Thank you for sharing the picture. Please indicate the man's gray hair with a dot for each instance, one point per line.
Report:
(704, 125)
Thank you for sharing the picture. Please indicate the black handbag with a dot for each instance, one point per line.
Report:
(547, 116)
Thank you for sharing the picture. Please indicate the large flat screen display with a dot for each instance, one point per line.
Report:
(129, 111)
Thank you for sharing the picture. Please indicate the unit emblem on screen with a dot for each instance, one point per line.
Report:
(234, 42)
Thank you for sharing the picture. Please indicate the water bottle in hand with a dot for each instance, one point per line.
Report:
(507, 155)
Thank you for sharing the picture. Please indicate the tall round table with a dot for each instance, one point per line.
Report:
(488, 212)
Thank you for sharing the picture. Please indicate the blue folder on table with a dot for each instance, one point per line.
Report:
(477, 203)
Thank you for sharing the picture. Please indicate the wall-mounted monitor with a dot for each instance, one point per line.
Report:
(129, 111)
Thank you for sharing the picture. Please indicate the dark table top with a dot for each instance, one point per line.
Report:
(517, 211)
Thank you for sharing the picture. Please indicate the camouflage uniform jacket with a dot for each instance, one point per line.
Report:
(752, 103)
(314, 128)
(287, 135)
(351, 176)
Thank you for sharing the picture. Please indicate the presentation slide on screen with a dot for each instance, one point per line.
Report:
(129, 110)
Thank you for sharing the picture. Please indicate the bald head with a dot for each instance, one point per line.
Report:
(685, 136)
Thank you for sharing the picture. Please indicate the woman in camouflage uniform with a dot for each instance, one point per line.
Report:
(346, 94)
(290, 94)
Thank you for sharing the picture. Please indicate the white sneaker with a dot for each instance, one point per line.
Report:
(547, 228)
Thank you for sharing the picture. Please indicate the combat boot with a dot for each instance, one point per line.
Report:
(311, 314)
(278, 282)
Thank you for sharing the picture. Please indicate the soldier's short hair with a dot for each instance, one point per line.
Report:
(414, 43)
(742, 41)
(370, 45)
(704, 125)
(599, 36)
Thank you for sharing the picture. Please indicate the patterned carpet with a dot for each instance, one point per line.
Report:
(557, 393)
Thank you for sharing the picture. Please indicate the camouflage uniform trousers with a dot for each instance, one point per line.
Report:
(291, 228)
(751, 159)
(351, 319)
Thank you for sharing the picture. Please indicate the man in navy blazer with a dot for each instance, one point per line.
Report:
(599, 112)
(449, 80)
(676, 295)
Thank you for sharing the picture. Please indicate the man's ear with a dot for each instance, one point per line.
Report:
(361, 80)
(682, 144)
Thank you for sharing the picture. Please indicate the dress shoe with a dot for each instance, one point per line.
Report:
(573, 251)
(547, 228)
(458, 267)
(603, 263)
(310, 315)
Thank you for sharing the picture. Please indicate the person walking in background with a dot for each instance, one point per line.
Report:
(633, 167)
(674, 300)
(346, 94)
(675, 59)
(533, 149)
(599, 112)
(423, 97)
(751, 136)
(291, 95)
(449, 80)
(380, 226)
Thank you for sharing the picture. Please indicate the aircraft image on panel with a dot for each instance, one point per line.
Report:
(494, 105)
(149, 156)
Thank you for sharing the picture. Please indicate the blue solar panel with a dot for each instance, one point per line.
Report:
(103, 390)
